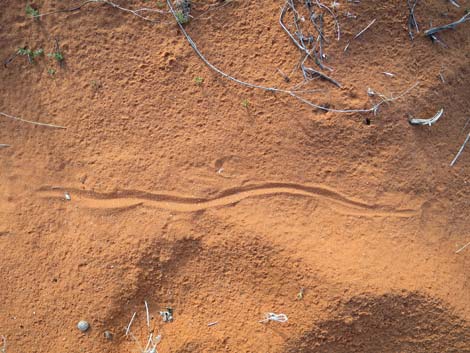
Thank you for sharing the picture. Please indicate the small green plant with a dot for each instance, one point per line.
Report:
(57, 55)
(160, 4)
(181, 17)
(245, 103)
(32, 12)
(51, 71)
(96, 85)
(30, 54)
(198, 80)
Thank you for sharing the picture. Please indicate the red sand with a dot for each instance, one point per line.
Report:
(183, 197)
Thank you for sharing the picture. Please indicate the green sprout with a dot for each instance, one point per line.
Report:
(57, 55)
(160, 4)
(30, 54)
(198, 80)
(181, 17)
(51, 71)
(245, 103)
(32, 12)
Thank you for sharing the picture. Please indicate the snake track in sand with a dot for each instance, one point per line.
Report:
(170, 201)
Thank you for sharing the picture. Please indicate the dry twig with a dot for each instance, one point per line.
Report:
(460, 151)
(432, 31)
(147, 314)
(8, 60)
(360, 33)
(32, 122)
(429, 122)
(462, 248)
(109, 3)
(412, 23)
(137, 12)
(128, 329)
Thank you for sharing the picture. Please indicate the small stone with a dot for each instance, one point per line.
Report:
(108, 335)
(83, 326)
(67, 196)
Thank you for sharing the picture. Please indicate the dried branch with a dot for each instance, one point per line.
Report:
(310, 45)
(412, 23)
(429, 122)
(460, 151)
(310, 73)
(335, 19)
(432, 31)
(281, 22)
(32, 122)
(8, 60)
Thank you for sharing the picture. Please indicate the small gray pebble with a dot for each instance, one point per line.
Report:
(108, 335)
(83, 326)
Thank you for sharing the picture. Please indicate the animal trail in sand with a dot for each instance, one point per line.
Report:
(170, 201)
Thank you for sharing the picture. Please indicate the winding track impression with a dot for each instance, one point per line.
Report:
(131, 198)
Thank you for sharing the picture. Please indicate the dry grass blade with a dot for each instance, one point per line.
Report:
(460, 150)
(4, 345)
(3, 145)
(365, 29)
(462, 248)
(147, 314)
(32, 122)
(128, 329)
(360, 33)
